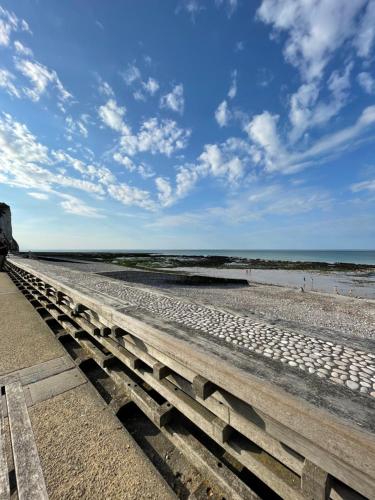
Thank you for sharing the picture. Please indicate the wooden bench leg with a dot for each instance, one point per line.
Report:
(315, 482)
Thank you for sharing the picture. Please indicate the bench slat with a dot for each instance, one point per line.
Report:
(30, 480)
(4, 475)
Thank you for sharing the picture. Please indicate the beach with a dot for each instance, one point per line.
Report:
(315, 312)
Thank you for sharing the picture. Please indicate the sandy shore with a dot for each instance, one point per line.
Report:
(356, 284)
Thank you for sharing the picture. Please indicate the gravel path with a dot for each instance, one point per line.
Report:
(333, 361)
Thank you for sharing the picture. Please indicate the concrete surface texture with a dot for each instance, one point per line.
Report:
(336, 362)
(25, 339)
(86, 453)
(84, 450)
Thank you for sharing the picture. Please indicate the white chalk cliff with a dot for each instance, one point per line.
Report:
(6, 227)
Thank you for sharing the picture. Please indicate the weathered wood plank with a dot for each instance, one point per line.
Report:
(314, 482)
(4, 475)
(208, 464)
(38, 372)
(30, 480)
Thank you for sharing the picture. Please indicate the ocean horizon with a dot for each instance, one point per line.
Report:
(329, 256)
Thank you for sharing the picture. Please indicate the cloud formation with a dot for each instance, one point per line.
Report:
(174, 100)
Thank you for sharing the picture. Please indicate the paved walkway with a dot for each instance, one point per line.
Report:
(335, 362)
(84, 451)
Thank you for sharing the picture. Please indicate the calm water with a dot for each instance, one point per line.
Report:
(331, 256)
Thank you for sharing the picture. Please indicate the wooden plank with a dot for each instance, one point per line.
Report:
(208, 464)
(218, 407)
(274, 474)
(203, 388)
(38, 372)
(30, 480)
(160, 371)
(314, 482)
(4, 475)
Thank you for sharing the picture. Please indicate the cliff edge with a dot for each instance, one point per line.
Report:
(6, 227)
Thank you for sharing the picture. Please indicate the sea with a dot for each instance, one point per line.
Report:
(330, 256)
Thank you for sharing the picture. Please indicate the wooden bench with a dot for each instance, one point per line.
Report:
(29, 475)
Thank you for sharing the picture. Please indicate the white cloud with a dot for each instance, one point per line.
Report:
(75, 206)
(39, 196)
(129, 195)
(155, 136)
(139, 95)
(62, 156)
(226, 161)
(364, 186)
(28, 164)
(255, 204)
(174, 100)
(186, 178)
(344, 137)
(264, 77)
(262, 131)
(222, 114)
(105, 88)
(97, 173)
(9, 22)
(365, 33)
(131, 74)
(230, 5)
(315, 29)
(133, 78)
(240, 46)
(22, 49)
(305, 109)
(7, 82)
(268, 151)
(232, 92)
(112, 115)
(192, 7)
(143, 170)
(75, 127)
(214, 162)
(165, 192)
(40, 76)
(367, 82)
(151, 86)
(233, 86)
(124, 160)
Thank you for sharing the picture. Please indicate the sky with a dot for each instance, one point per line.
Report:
(188, 124)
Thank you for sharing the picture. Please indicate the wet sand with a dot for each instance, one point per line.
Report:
(357, 284)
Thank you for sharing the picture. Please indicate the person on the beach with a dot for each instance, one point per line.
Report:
(4, 249)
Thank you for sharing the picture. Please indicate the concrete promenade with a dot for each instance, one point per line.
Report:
(84, 451)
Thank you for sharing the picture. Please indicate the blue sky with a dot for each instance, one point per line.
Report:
(188, 123)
